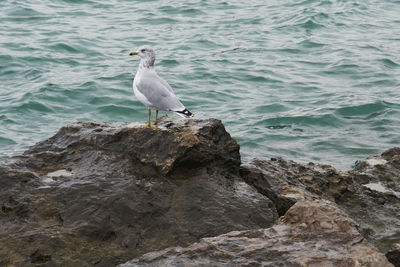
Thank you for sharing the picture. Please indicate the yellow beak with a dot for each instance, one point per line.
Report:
(132, 53)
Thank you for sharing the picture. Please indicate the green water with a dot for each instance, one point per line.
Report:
(305, 80)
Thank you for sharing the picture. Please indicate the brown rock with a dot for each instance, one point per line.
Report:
(369, 195)
(97, 194)
(311, 233)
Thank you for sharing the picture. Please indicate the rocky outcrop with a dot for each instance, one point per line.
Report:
(311, 233)
(100, 195)
(97, 194)
(370, 194)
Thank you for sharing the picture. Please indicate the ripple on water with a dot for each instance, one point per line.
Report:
(326, 120)
(4, 141)
(389, 63)
(310, 44)
(271, 108)
(62, 47)
(115, 109)
(158, 21)
(182, 10)
(311, 25)
(169, 62)
(32, 74)
(367, 110)
(34, 105)
(25, 14)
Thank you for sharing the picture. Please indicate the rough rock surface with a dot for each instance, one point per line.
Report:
(370, 194)
(393, 255)
(311, 233)
(97, 194)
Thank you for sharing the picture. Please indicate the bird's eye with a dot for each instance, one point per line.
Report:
(142, 50)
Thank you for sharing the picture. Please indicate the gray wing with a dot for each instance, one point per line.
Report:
(158, 92)
(164, 82)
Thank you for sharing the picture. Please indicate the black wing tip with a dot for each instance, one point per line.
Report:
(186, 113)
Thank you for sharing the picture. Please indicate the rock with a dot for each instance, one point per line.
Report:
(286, 182)
(310, 234)
(96, 194)
(393, 255)
(370, 194)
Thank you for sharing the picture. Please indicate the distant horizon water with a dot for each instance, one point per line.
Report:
(307, 80)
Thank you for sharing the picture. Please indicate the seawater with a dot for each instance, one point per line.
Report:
(304, 80)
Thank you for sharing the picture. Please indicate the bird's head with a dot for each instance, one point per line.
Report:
(144, 52)
(147, 54)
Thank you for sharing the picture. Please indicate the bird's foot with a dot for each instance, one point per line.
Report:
(154, 122)
(145, 125)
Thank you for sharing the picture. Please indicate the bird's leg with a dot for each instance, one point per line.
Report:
(148, 122)
(155, 122)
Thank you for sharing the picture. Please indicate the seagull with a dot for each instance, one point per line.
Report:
(152, 90)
